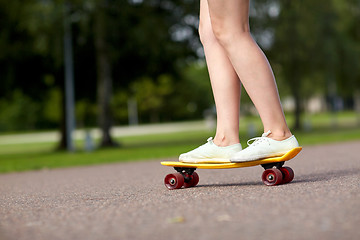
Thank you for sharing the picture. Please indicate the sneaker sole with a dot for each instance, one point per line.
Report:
(212, 160)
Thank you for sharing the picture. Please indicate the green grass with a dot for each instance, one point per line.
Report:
(38, 156)
(32, 156)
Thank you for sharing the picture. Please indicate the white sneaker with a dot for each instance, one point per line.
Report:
(210, 153)
(264, 147)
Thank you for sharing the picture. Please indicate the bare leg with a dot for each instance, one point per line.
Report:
(230, 24)
(224, 81)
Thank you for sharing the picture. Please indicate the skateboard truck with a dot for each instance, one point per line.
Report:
(271, 165)
(186, 172)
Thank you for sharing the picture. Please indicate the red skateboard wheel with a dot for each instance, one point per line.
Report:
(174, 181)
(288, 174)
(272, 177)
(194, 180)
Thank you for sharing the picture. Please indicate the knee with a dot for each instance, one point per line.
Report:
(226, 34)
(206, 33)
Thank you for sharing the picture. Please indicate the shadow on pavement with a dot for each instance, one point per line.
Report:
(325, 176)
(230, 184)
(315, 177)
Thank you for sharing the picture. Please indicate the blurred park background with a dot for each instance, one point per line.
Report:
(130, 77)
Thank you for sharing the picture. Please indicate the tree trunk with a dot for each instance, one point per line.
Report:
(104, 78)
(295, 86)
(63, 139)
(297, 98)
(294, 71)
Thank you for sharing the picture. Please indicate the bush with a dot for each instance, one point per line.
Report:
(19, 112)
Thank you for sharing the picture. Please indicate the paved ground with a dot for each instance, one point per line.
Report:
(129, 201)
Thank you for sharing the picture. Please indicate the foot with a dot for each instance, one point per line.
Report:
(210, 153)
(264, 147)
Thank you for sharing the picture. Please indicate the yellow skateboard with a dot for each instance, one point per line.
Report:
(274, 173)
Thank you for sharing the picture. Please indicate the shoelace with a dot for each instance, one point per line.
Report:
(254, 141)
(208, 140)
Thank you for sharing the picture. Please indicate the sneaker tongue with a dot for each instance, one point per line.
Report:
(266, 134)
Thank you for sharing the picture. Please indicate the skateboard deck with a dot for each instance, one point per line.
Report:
(274, 173)
(287, 156)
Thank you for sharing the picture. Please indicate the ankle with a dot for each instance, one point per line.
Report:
(280, 135)
(224, 141)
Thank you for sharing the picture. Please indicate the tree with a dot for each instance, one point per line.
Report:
(120, 40)
(32, 50)
(316, 48)
(104, 73)
(347, 25)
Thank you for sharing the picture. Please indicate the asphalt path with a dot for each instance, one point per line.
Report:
(129, 201)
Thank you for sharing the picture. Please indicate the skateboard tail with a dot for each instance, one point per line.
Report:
(292, 153)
